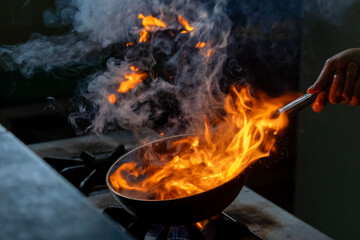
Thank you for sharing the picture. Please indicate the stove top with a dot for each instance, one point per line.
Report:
(221, 226)
(87, 172)
(37, 203)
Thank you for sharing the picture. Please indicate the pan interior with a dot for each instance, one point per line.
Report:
(157, 154)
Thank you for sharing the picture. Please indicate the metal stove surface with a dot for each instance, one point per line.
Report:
(221, 226)
(260, 217)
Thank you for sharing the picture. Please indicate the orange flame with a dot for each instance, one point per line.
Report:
(129, 44)
(144, 36)
(185, 24)
(198, 224)
(200, 45)
(135, 69)
(208, 53)
(131, 81)
(150, 23)
(112, 98)
(199, 163)
(202, 224)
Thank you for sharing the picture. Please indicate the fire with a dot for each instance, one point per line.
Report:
(131, 81)
(135, 69)
(199, 163)
(150, 23)
(201, 225)
(112, 98)
(200, 45)
(129, 44)
(144, 36)
(185, 24)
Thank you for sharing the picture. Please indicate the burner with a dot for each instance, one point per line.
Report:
(88, 171)
(221, 226)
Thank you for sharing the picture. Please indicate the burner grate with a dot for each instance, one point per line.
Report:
(88, 171)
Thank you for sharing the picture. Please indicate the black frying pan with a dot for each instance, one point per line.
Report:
(177, 211)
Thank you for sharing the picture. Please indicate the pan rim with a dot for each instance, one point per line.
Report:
(109, 185)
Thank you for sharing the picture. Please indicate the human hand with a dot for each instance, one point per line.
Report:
(343, 70)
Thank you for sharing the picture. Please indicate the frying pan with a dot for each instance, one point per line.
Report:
(178, 211)
(194, 208)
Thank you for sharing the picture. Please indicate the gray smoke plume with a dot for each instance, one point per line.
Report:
(181, 86)
(182, 83)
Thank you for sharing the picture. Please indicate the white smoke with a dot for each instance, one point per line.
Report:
(182, 86)
(193, 90)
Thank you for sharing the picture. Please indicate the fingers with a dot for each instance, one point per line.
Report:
(337, 87)
(356, 94)
(324, 78)
(349, 86)
(320, 101)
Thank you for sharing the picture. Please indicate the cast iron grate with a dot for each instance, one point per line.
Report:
(88, 171)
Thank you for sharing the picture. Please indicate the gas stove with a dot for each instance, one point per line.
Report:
(62, 212)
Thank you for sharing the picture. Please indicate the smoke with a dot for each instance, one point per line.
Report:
(94, 26)
(182, 83)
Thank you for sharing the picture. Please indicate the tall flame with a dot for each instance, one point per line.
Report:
(199, 163)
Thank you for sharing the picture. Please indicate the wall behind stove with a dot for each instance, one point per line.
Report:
(328, 157)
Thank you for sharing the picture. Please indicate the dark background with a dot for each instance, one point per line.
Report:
(278, 49)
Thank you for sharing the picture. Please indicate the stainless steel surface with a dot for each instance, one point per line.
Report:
(2, 129)
(269, 221)
(262, 217)
(36, 203)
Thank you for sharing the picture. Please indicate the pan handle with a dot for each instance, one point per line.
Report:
(298, 104)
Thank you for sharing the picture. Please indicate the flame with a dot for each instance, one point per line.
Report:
(150, 23)
(129, 44)
(135, 69)
(185, 24)
(144, 36)
(112, 98)
(201, 225)
(131, 81)
(199, 163)
(200, 45)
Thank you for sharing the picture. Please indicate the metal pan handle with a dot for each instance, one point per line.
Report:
(298, 104)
